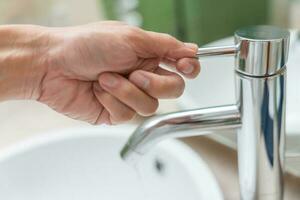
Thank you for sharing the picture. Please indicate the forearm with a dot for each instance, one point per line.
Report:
(23, 52)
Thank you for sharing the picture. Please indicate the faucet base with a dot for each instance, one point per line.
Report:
(261, 137)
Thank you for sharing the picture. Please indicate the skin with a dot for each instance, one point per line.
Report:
(104, 72)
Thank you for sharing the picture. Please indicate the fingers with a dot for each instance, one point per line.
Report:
(115, 112)
(188, 67)
(104, 117)
(155, 47)
(127, 93)
(188, 50)
(166, 46)
(160, 84)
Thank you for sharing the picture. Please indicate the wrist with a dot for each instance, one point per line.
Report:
(23, 51)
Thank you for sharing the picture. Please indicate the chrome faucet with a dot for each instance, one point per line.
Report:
(261, 54)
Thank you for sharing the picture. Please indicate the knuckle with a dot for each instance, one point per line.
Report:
(167, 36)
(133, 33)
(133, 74)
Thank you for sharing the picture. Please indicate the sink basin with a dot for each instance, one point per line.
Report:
(84, 164)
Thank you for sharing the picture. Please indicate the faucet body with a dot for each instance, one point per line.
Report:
(258, 116)
(260, 138)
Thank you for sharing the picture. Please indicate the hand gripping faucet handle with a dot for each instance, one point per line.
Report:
(261, 53)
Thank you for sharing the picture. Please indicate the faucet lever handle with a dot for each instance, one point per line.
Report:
(217, 51)
(260, 51)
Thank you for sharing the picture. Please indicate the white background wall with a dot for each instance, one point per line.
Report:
(50, 12)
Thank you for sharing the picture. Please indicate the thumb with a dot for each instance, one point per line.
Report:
(166, 46)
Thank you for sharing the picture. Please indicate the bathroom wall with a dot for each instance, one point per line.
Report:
(200, 21)
(50, 12)
(285, 13)
(294, 14)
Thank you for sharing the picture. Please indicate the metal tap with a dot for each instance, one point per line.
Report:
(261, 54)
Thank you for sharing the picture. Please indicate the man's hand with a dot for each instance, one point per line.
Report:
(107, 72)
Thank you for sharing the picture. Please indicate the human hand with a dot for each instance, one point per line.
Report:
(107, 72)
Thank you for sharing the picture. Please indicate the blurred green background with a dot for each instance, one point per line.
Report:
(199, 21)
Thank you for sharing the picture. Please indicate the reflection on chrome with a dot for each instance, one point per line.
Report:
(261, 53)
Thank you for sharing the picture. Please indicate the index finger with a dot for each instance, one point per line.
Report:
(167, 46)
(161, 83)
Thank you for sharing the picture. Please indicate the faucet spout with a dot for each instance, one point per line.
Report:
(177, 124)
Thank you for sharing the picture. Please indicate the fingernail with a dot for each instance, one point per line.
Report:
(110, 80)
(191, 45)
(188, 69)
(141, 81)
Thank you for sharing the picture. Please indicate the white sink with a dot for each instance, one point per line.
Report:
(84, 164)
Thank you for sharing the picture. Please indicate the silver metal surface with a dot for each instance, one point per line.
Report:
(263, 50)
(259, 114)
(217, 51)
(261, 137)
(173, 125)
(259, 50)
